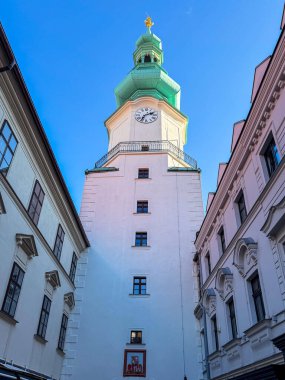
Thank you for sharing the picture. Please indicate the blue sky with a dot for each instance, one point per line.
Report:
(72, 55)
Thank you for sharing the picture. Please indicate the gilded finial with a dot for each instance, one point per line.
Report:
(148, 22)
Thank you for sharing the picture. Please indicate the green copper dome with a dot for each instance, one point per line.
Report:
(148, 78)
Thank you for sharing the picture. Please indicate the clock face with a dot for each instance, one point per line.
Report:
(146, 115)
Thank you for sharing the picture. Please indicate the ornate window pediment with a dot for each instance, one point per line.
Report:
(69, 299)
(2, 206)
(53, 278)
(275, 219)
(245, 255)
(224, 282)
(27, 243)
(209, 301)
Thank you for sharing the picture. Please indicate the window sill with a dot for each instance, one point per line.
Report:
(60, 352)
(135, 344)
(139, 179)
(139, 295)
(40, 339)
(145, 247)
(141, 213)
(8, 318)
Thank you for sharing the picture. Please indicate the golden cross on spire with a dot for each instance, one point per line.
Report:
(148, 22)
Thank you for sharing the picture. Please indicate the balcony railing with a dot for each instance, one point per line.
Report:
(147, 146)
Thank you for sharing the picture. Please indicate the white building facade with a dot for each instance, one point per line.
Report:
(41, 238)
(141, 209)
(241, 244)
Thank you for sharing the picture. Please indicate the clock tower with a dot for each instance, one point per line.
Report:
(141, 209)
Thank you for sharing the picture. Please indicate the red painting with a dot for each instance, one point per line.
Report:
(135, 363)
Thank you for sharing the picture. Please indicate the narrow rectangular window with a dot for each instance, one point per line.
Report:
(215, 332)
(43, 322)
(8, 144)
(145, 148)
(36, 203)
(257, 298)
(58, 242)
(208, 263)
(241, 208)
(141, 239)
(13, 290)
(222, 239)
(143, 173)
(136, 337)
(232, 318)
(271, 157)
(139, 285)
(73, 267)
(142, 207)
(62, 333)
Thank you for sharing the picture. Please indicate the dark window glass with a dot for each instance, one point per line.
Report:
(36, 203)
(58, 242)
(147, 58)
(222, 238)
(13, 290)
(145, 148)
(208, 263)
(8, 144)
(241, 208)
(215, 332)
(62, 332)
(43, 322)
(232, 318)
(73, 267)
(271, 157)
(136, 337)
(141, 239)
(257, 298)
(142, 207)
(139, 285)
(143, 173)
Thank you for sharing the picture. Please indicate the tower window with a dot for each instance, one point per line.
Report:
(139, 286)
(155, 59)
(8, 144)
(147, 58)
(141, 239)
(142, 207)
(136, 337)
(143, 173)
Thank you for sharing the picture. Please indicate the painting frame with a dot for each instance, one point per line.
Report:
(127, 356)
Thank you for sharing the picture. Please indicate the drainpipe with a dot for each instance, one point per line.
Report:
(206, 342)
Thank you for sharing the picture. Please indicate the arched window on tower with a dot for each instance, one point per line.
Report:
(155, 59)
(147, 58)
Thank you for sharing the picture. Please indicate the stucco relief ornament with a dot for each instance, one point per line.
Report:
(224, 282)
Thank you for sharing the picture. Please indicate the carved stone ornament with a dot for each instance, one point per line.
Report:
(275, 219)
(53, 278)
(224, 282)
(69, 300)
(27, 244)
(245, 255)
(209, 301)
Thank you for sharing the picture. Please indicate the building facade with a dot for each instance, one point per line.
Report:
(141, 208)
(41, 237)
(241, 243)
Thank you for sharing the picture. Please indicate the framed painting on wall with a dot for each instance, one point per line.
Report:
(135, 363)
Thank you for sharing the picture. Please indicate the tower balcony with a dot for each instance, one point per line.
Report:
(163, 146)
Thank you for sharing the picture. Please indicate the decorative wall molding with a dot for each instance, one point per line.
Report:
(53, 278)
(69, 300)
(275, 219)
(28, 245)
(224, 282)
(245, 255)
(210, 301)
